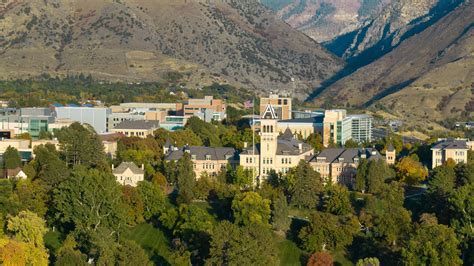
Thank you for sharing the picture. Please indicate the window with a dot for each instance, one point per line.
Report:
(285, 102)
(193, 157)
(208, 157)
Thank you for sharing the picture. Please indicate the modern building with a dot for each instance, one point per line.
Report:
(26, 120)
(206, 160)
(361, 127)
(114, 119)
(95, 117)
(302, 127)
(128, 173)
(339, 165)
(306, 114)
(337, 127)
(281, 105)
(274, 152)
(454, 149)
(138, 128)
(207, 109)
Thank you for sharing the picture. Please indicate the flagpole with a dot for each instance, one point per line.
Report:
(253, 139)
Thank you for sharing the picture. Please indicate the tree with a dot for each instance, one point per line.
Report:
(377, 173)
(242, 177)
(368, 262)
(90, 200)
(316, 141)
(81, 145)
(133, 205)
(32, 196)
(307, 187)
(28, 244)
(130, 253)
(49, 168)
(186, 179)
(250, 209)
(203, 187)
(327, 231)
(205, 131)
(232, 245)
(411, 171)
(351, 144)
(432, 244)
(11, 158)
(280, 219)
(337, 200)
(320, 259)
(461, 207)
(389, 219)
(361, 176)
(28, 227)
(68, 254)
(153, 198)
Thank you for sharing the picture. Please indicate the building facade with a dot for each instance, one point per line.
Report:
(337, 127)
(361, 127)
(275, 152)
(281, 105)
(339, 165)
(137, 128)
(128, 173)
(206, 160)
(95, 117)
(207, 109)
(454, 149)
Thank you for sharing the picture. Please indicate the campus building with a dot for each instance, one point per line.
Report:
(274, 152)
(128, 173)
(95, 117)
(361, 127)
(339, 165)
(337, 127)
(138, 128)
(281, 105)
(454, 149)
(206, 160)
(207, 109)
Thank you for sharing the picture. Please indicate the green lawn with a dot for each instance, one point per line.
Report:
(289, 253)
(152, 240)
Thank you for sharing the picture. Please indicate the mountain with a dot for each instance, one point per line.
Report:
(427, 77)
(383, 31)
(232, 41)
(324, 20)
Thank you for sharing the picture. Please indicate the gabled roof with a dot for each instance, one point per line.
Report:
(219, 153)
(451, 144)
(138, 124)
(390, 147)
(128, 165)
(346, 155)
(288, 135)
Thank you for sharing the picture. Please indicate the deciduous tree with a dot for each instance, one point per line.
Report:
(251, 209)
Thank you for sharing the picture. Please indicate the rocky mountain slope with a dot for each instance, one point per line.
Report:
(386, 29)
(235, 41)
(428, 77)
(324, 20)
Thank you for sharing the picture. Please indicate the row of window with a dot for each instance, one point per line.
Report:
(267, 129)
(285, 160)
(267, 160)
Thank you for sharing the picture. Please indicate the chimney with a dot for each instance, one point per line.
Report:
(300, 147)
(246, 145)
(143, 167)
(113, 167)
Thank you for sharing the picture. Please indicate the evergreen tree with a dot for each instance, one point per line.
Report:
(307, 187)
(186, 179)
(280, 219)
(11, 158)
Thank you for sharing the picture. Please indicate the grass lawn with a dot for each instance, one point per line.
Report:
(289, 253)
(152, 240)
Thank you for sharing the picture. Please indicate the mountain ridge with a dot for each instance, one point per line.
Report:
(223, 41)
